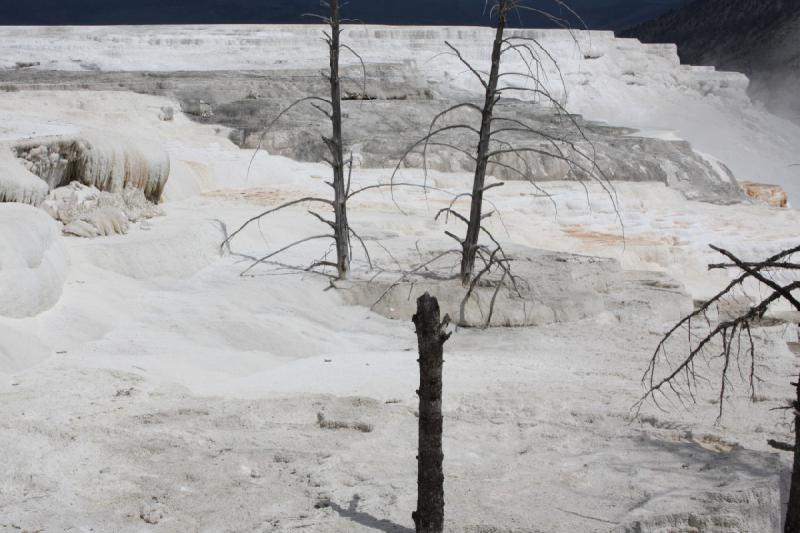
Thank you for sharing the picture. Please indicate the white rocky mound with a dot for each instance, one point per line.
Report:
(33, 261)
(17, 184)
(103, 160)
(89, 212)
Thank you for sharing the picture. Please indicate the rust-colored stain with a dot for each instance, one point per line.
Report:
(773, 195)
(256, 196)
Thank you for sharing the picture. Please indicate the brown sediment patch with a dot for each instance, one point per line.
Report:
(202, 171)
(259, 196)
(714, 444)
(681, 224)
(272, 197)
(600, 238)
(767, 193)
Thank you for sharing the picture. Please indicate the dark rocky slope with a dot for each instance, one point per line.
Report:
(760, 38)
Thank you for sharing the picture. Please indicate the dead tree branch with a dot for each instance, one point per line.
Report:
(681, 378)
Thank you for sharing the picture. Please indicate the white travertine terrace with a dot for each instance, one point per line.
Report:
(174, 48)
(621, 81)
(105, 160)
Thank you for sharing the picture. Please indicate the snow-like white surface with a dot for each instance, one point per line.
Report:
(16, 183)
(182, 381)
(16, 126)
(33, 261)
(619, 80)
(663, 230)
(149, 149)
(163, 386)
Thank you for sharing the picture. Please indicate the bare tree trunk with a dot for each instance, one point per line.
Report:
(470, 244)
(431, 336)
(793, 510)
(340, 184)
(340, 228)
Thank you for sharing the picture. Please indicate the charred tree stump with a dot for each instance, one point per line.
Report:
(431, 336)
(793, 509)
(792, 522)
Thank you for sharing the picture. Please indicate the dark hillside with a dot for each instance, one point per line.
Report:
(758, 37)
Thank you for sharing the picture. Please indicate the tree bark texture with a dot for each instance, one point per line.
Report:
(431, 336)
(470, 244)
(341, 229)
(793, 509)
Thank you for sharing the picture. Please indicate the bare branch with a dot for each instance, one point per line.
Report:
(285, 248)
(782, 446)
(781, 265)
(363, 66)
(321, 219)
(271, 211)
(467, 64)
(276, 119)
(766, 281)
(364, 246)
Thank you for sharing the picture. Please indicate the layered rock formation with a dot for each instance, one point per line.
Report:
(249, 73)
(546, 288)
(89, 212)
(380, 132)
(102, 160)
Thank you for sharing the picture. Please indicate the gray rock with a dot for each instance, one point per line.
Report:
(88, 212)
(548, 287)
(167, 114)
(400, 104)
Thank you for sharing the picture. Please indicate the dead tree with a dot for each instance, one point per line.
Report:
(730, 340)
(431, 336)
(340, 230)
(341, 233)
(470, 243)
(491, 142)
